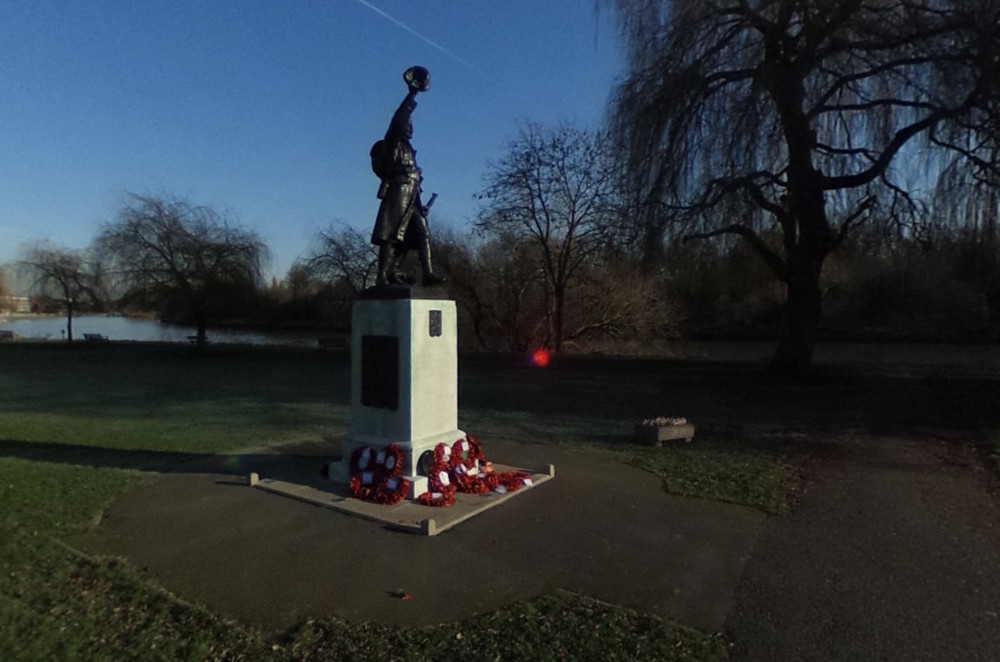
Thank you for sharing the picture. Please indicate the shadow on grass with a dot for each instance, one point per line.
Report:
(597, 395)
(234, 464)
(131, 380)
(723, 399)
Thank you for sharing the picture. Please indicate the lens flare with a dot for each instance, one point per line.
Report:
(540, 357)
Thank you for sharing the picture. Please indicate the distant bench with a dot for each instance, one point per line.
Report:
(6, 335)
(332, 343)
(94, 337)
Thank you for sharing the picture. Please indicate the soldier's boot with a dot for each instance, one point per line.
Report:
(430, 279)
(396, 274)
(385, 262)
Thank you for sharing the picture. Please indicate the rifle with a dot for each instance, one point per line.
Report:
(430, 203)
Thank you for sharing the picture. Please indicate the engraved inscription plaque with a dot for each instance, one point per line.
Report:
(435, 323)
(380, 371)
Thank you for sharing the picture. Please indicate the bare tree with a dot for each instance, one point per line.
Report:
(343, 253)
(171, 254)
(739, 112)
(68, 278)
(499, 288)
(298, 283)
(504, 304)
(554, 188)
(618, 300)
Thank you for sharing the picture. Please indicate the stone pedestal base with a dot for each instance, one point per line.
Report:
(404, 379)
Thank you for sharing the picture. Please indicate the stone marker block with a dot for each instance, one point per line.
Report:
(655, 435)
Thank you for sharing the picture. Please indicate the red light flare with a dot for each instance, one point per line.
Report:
(540, 358)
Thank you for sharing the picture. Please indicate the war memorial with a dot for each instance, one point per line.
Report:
(404, 451)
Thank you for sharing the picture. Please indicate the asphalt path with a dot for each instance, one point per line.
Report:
(893, 554)
(599, 528)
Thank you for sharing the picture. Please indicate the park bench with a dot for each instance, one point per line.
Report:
(94, 337)
(6, 335)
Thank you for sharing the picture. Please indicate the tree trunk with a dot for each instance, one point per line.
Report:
(652, 250)
(69, 323)
(202, 338)
(805, 228)
(803, 311)
(558, 330)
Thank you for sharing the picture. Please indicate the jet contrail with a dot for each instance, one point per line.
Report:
(427, 40)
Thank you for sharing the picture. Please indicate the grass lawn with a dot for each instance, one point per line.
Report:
(713, 470)
(80, 426)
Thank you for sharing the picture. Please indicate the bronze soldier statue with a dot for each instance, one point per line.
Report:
(401, 223)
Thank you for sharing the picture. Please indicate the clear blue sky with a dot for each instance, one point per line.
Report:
(267, 108)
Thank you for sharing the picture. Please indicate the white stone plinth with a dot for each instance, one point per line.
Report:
(426, 410)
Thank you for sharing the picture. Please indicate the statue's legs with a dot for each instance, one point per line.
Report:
(394, 213)
(385, 262)
(424, 253)
(420, 239)
(412, 230)
(396, 273)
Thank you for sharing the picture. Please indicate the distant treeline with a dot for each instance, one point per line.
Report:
(942, 288)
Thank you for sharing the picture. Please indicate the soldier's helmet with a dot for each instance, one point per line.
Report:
(417, 78)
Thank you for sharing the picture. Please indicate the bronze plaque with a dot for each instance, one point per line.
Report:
(435, 324)
(380, 371)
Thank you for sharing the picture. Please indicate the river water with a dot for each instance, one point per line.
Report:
(148, 330)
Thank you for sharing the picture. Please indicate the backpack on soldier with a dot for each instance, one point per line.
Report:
(381, 159)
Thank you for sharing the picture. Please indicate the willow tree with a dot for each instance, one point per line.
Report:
(342, 254)
(170, 254)
(806, 115)
(67, 277)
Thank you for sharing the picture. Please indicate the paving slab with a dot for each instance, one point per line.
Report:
(307, 484)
